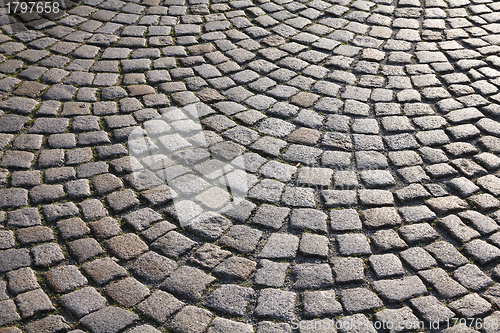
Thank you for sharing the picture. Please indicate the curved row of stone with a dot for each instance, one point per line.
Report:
(345, 104)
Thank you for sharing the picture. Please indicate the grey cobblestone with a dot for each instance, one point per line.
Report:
(369, 129)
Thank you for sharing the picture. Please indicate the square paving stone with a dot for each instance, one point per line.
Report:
(47, 254)
(348, 269)
(307, 218)
(336, 159)
(418, 258)
(84, 249)
(242, 238)
(216, 198)
(388, 240)
(92, 209)
(315, 176)
(280, 246)
(105, 228)
(222, 325)
(158, 195)
(46, 193)
(278, 170)
(188, 282)
(345, 220)
(22, 280)
(189, 184)
(345, 180)
(47, 324)
(353, 244)
(314, 245)
(267, 190)
(275, 304)
(417, 214)
(320, 303)
(104, 270)
(271, 216)
(51, 158)
(13, 197)
(159, 306)
(381, 217)
(153, 267)
(412, 192)
(209, 225)
(231, 299)
(11, 123)
(339, 198)
(122, 200)
(482, 251)
(109, 320)
(72, 228)
(471, 277)
(190, 319)
(298, 197)
(173, 244)
(33, 302)
(386, 265)
(235, 268)
(376, 197)
(484, 201)
(490, 322)
(127, 246)
(312, 276)
(65, 278)
(418, 233)
(446, 254)
(17, 159)
(8, 312)
(360, 299)
(270, 273)
(106, 183)
(241, 211)
(400, 289)
(127, 292)
(83, 301)
(444, 205)
(25, 178)
(6, 239)
(209, 255)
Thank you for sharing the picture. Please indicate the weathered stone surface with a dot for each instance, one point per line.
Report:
(274, 303)
(159, 306)
(360, 141)
(110, 319)
(188, 282)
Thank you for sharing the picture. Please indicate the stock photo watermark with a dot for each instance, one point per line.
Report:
(363, 324)
(206, 175)
(173, 149)
(23, 15)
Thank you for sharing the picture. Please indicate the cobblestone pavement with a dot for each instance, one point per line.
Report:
(369, 130)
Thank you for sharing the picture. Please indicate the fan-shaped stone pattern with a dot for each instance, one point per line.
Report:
(385, 110)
